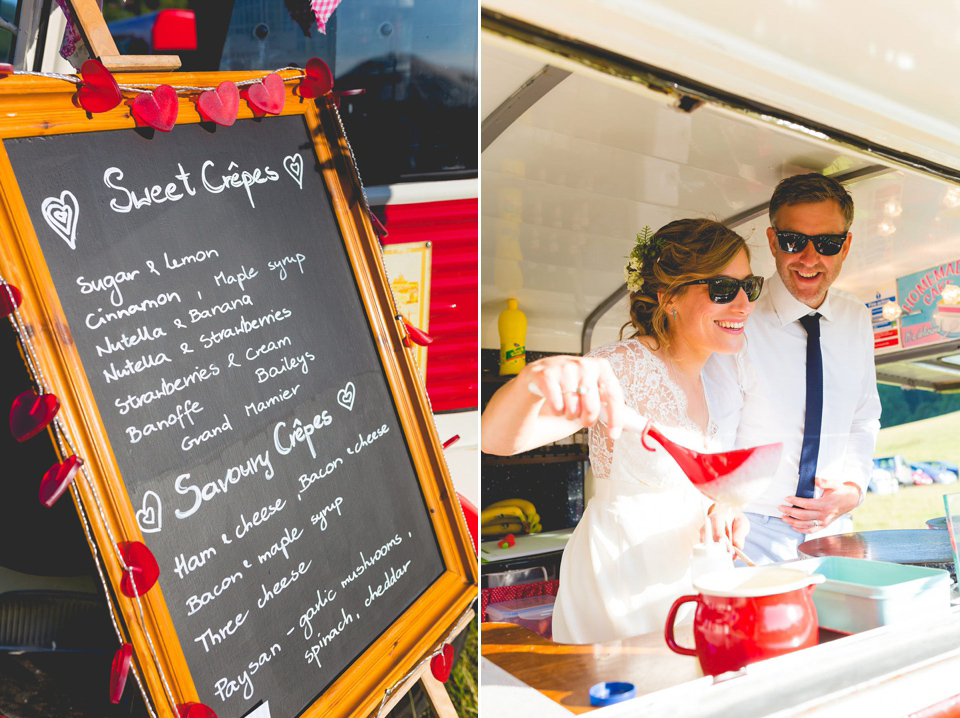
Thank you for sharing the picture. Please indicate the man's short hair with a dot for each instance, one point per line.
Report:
(808, 188)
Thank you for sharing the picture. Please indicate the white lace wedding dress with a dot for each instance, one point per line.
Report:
(629, 557)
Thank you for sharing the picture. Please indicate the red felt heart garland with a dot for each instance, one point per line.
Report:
(417, 336)
(266, 96)
(145, 569)
(220, 105)
(442, 663)
(195, 710)
(99, 91)
(158, 108)
(9, 299)
(58, 479)
(119, 671)
(319, 79)
(30, 414)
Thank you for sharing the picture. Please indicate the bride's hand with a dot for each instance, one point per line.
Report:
(578, 388)
(727, 525)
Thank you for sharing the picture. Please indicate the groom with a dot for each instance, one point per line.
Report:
(811, 347)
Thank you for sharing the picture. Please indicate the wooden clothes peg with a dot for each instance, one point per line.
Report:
(99, 43)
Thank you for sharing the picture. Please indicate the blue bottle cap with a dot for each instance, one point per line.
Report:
(610, 692)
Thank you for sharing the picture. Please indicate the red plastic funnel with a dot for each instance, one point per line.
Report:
(733, 477)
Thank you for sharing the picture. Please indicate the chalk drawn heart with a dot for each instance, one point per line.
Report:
(346, 396)
(58, 479)
(220, 105)
(62, 213)
(293, 164)
(150, 517)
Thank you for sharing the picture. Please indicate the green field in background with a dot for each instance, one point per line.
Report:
(937, 438)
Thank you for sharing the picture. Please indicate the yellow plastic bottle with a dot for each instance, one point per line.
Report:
(512, 324)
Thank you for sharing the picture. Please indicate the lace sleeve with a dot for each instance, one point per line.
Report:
(601, 445)
(631, 364)
(646, 388)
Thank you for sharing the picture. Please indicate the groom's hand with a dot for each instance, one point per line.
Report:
(811, 515)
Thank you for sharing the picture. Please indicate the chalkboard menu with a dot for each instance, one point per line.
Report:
(210, 297)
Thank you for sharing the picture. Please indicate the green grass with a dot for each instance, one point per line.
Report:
(923, 440)
(912, 506)
(909, 508)
(462, 684)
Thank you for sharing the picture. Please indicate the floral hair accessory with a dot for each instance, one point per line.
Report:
(632, 272)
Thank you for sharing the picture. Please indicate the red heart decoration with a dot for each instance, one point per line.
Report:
(9, 299)
(220, 105)
(442, 663)
(418, 336)
(319, 79)
(267, 96)
(58, 479)
(145, 569)
(195, 710)
(30, 414)
(119, 671)
(375, 221)
(158, 108)
(99, 91)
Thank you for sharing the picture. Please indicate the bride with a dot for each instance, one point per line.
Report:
(629, 557)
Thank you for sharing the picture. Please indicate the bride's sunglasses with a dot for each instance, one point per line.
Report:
(825, 244)
(723, 290)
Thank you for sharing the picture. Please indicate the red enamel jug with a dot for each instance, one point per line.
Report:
(745, 615)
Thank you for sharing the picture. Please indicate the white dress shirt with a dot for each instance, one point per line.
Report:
(776, 355)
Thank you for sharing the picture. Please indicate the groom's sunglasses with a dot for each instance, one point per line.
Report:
(826, 244)
(723, 290)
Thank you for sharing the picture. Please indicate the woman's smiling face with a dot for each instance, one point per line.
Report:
(705, 326)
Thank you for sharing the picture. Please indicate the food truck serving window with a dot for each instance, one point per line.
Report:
(416, 62)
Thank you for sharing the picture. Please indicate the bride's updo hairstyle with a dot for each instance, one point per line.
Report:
(678, 252)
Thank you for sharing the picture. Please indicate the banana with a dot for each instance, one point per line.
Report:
(526, 506)
(500, 528)
(535, 528)
(504, 527)
(502, 513)
(533, 518)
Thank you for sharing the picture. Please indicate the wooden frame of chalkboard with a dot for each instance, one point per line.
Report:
(211, 308)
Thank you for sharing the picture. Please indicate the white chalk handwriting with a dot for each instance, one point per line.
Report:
(210, 638)
(280, 265)
(299, 432)
(212, 489)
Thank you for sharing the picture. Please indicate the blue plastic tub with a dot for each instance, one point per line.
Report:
(860, 594)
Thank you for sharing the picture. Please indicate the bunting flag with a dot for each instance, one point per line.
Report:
(323, 9)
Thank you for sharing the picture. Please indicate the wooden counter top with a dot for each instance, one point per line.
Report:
(565, 672)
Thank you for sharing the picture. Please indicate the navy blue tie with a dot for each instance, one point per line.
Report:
(814, 411)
